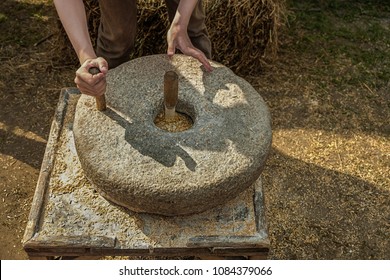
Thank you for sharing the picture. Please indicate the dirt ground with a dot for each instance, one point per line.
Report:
(326, 183)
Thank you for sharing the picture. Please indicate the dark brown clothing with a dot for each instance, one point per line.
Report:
(118, 28)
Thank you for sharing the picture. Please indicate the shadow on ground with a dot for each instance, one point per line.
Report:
(317, 213)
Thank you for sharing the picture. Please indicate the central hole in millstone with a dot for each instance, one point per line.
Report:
(169, 118)
(179, 122)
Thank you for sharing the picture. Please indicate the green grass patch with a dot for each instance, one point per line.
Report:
(3, 18)
(350, 38)
(25, 20)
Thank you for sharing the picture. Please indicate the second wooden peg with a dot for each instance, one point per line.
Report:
(100, 100)
(171, 92)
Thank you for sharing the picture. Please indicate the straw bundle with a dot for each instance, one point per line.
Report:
(243, 32)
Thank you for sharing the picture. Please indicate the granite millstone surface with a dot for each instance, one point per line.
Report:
(135, 164)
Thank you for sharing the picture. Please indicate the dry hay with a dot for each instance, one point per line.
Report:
(244, 33)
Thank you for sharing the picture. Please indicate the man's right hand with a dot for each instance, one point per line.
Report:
(90, 84)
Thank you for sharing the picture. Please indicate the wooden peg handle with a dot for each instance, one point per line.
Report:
(100, 100)
(170, 89)
(171, 93)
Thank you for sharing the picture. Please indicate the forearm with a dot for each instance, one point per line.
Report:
(184, 12)
(73, 18)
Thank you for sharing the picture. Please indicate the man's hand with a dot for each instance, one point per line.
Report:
(73, 18)
(178, 39)
(90, 84)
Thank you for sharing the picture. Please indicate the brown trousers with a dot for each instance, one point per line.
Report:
(118, 27)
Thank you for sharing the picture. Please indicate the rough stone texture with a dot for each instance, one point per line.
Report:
(146, 169)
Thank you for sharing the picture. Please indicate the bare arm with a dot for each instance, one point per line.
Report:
(178, 37)
(73, 18)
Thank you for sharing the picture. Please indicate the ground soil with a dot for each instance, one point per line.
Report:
(326, 183)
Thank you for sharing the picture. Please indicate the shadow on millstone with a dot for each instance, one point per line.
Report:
(164, 151)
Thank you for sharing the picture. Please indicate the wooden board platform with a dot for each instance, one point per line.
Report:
(69, 218)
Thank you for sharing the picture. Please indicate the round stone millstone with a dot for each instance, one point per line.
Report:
(135, 164)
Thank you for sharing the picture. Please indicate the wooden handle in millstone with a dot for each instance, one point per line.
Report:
(170, 89)
(100, 100)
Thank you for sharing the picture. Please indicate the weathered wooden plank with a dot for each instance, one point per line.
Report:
(47, 166)
(228, 241)
(260, 217)
(71, 242)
